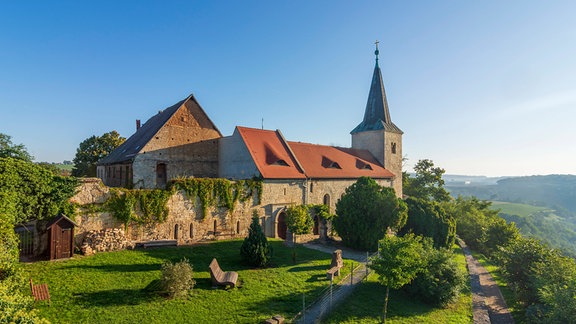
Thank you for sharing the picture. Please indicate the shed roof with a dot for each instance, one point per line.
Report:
(58, 219)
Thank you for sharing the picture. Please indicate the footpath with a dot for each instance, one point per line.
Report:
(328, 301)
(488, 304)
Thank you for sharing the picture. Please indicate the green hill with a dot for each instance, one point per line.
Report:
(543, 207)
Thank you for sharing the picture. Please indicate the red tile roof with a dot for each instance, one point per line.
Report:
(277, 158)
(320, 161)
(272, 157)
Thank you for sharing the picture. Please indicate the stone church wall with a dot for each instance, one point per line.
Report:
(185, 222)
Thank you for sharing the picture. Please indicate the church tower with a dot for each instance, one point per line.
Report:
(377, 133)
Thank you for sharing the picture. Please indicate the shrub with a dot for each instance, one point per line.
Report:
(177, 279)
(441, 280)
(255, 250)
(365, 212)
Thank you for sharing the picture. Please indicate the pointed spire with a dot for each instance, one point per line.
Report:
(377, 114)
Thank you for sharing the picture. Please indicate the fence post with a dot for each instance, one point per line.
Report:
(367, 258)
(303, 308)
(331, 279)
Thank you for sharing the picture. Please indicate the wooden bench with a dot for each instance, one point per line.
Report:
(159, 243)
(40, 292)
(221, 278)
(335, 265)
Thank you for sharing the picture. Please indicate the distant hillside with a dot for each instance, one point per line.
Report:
(541, 206)
(557, 192)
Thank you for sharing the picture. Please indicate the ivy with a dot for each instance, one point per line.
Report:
(219, 192)
(322, 211)
(141, 206)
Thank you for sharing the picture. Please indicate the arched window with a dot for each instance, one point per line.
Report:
(327, 200)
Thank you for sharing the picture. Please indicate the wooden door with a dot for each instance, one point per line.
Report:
(65, 241)
(281, 227)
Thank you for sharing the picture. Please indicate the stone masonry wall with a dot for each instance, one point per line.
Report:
(185, 222)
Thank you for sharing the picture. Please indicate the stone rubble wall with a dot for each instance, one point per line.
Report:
(105, 240)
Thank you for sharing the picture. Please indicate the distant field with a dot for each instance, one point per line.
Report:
(65, 167)
(517, 209)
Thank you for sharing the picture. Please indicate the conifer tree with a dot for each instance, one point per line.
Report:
(255, 250)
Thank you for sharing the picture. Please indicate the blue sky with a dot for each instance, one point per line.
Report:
(480, 87)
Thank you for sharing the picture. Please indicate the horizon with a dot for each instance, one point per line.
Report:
(481, 89)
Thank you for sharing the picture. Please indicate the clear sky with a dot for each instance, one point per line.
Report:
(480, 87)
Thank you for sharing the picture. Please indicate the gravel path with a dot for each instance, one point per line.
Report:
(488, 304)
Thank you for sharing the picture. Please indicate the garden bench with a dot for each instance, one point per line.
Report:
(159, 243)
(221, 278)
(40, 292)
(335, 265)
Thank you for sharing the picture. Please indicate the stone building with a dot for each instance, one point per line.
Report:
(181, 141)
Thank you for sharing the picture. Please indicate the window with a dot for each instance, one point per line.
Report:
(176, 231)
(238, 227)
(393, 148)
(311, 186)
(191, 230)
(215, 226)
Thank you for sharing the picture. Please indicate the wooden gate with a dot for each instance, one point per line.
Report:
(282, 227)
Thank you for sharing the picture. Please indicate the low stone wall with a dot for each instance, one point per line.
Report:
(105, 240)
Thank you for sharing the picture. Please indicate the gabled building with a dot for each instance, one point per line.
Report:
(179, 141)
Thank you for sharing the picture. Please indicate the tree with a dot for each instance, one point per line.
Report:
(255, 249)
(427, 182)
(365, 212)
(428, 218)
(398, 262)
(10, 150)
(91, 150)
(298, 220)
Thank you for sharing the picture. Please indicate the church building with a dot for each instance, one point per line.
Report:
(182, 141)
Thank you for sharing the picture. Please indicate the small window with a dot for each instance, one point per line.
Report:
(238, 227)
(191, 230)
(215, 226)
(284, 191)
(393, 148)
(280, 162)
(176, 231)
(334, 165)
(311, 186)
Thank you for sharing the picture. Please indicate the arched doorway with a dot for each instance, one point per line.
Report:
(161, 175)
(316, 225)
(281, 225)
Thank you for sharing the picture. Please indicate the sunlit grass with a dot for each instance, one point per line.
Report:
(109, 287)
(366, 303)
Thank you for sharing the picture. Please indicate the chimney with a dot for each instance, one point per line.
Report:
(137, 124)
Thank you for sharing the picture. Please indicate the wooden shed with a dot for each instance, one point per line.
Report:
(60, 237)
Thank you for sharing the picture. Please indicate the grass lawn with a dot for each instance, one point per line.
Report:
(109, 287)
(366, 303)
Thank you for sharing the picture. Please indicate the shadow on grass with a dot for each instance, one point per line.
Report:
(309, 268)
(117, 267)
(367, 304)
(114, 297)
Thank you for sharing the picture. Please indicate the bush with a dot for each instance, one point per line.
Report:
(177, 279)
(441, 280)
(15, 307)
(255, 250)
(365, 212)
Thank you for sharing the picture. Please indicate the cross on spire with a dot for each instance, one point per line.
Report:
(376, 52)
